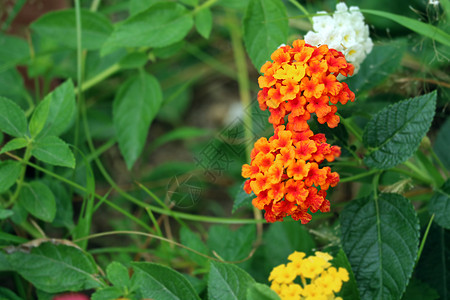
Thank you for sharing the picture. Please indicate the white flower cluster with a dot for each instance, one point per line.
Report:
(345, 31)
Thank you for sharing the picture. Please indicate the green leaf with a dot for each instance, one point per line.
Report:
(417, 290)
(12, 118)
(56, 268)
(160, 25)
(61, 26)
(14, 144)
(259, 291)
(160, 282)
(193, 241)
(349, 289)
(38, 200)
(10, 238)
(12, 86)
(107, 293)
(265, 29)
(283, 238)
(204, 22)
(231, 245)
(63, 200)
(13, 50)
(441, 144)
(39, 118)
(190, 2)
(440, 205)
(9, 173)
(228, 282)
(117, 274)
(61, 109)
(395, 132)
(5, 213)
(380, 236)
(134, 108)
(6, 294)
(242, 198)
(382, 57)
(137, 6)
(424, 29)
(54, 151)
(133, 60)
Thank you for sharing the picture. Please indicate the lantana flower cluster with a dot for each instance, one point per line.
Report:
(319, 280)
(344, 31)
(284, 172)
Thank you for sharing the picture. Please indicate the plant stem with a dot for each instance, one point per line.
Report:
(303, 9)
(97, 78)
(358, 176)
(203, 6)
(422, 244)
(20, 183)
(349, 124)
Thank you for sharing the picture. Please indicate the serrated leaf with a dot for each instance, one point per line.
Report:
(380, 236)
(231, 245)
(14, 144)
(228, 282)
(39, 118)
(386, 57)
(56, 268)
(54, 151)
(12, 118)
(203, 22)
(117, 274)
(63, 200)
(61, 109)
(395, 132)
(160, 25)
(440, 205)
(135, 106)
(265, 29)
(424, 29)
(9, 173)
(193, 241)
(60, 26)
(259, 291)
(38, 200)
(137, 6)
(160, 282)
(242, 198)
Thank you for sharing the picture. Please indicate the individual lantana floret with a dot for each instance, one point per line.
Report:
(319, 280)
(345, 31)
(285, 176)
(300, 81)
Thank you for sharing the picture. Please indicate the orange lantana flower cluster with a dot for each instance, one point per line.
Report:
(284, 172)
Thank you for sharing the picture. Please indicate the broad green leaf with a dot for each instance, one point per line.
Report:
(135, 106)
(259, 291)
(11, 238)
(160, 25)
(5, 213)
(38, 200)
(228, 282)
(9, 173)
(13, 50)
(12, 86)
(117, 274)
(441, 144)
(440, 205)
(395, 132)
(160, 282)
(107, 293)
(380, 236)
(5, 265)
(12, 118)
(424, 29)
(193, 241)
(385, 57)
(242, 199)
(265, 29)
(54, 151)
(63, 200)
(231, 245)
(6, 294)
(434, 263)
(39, 118)
(235, 4)
(136, 6)
(417, 290)
(14, 144)
(56, 268)
(190, 2)
(61, 26)
(61, 109)
(203, 22)
(283, 238)
(133, 60)
(349, 289)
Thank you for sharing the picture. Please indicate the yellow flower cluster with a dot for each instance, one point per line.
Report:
(319, 280)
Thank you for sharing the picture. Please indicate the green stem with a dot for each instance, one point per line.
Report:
(94, 5)
(422, 244)
(20, 183)
(417, 173)
(303, 9)
(127, 214)
(97, 78)
(358, 176)
(203, 6)
(439, 162)
(375, 182)
(412, 175)
(349, 124)
(155, 223)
